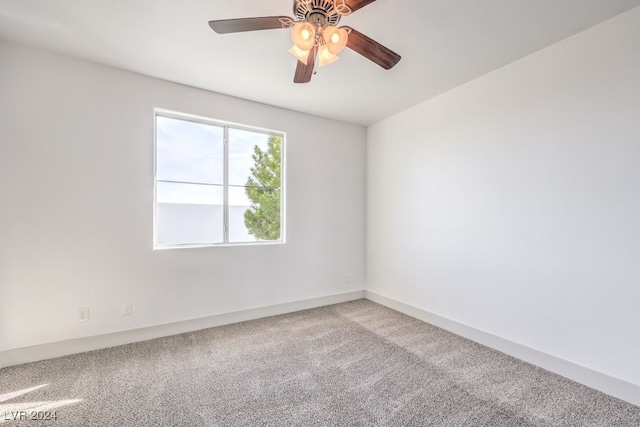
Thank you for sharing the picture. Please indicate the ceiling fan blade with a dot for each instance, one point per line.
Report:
(304, 72)
(372, 50)
(225, 26)
(357, 4)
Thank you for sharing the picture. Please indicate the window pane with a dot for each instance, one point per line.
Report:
(242, 144)
(260, 222)
(188, 213)
(188, 151)
(213, 191)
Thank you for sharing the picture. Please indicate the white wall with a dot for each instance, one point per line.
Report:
(512, 204)
(76, 180)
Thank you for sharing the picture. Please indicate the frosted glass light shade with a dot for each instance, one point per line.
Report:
(336, 39)
(303, 35)
(302, 55)
(325, 57)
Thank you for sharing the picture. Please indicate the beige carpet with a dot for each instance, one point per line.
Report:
(356, 363)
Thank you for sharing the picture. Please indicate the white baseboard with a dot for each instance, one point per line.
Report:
(607, 384)
(613, 386)
(80, 345)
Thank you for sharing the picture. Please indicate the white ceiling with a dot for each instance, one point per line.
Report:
(443, 44)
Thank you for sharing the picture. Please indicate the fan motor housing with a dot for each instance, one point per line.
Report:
(317, 12)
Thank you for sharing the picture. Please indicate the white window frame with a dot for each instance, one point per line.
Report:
(226, 126)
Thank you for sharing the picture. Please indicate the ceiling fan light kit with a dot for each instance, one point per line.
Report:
(303, 35)
(302, 55)
(325, 57)
(336, 39)
(316, 37)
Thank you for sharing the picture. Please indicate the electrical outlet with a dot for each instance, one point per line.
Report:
(83, 314)
(127, 309)
(347, 278)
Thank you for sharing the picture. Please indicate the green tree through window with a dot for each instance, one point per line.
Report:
(262, 219)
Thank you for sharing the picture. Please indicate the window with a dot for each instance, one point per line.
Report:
(215, 183)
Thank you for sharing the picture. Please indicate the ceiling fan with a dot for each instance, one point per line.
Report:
(315, 34)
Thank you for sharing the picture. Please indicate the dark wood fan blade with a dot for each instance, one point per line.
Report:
(304, 72)
(225, 26)
(372, 50)
(357, 4)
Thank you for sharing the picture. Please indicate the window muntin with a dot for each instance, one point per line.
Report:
(206, 182)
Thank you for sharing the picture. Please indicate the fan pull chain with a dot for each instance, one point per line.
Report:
(341, 7)
(315, 58)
